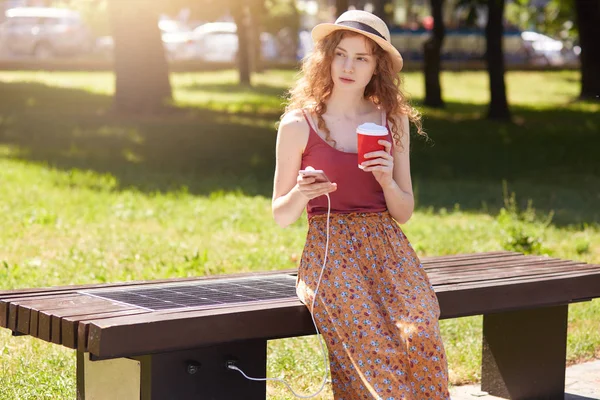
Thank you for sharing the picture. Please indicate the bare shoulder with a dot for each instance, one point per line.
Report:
(293, 120)
(294, 128)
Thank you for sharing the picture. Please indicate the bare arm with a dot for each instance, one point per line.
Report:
(399, 194)
(291, 191)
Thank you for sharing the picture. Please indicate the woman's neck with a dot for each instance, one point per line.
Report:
(347, 104)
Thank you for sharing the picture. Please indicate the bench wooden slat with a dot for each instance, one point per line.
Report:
(76, 332)
(23, 307)
(476, 299)
(592, 271)
(187, 329)
(80, 326)
(12, 317)
(3, 315)
(467, 256)
(489, 263)
(4, 310)
(23, 320)
(46, 315)
(24, 313)
(81, 311)
(33, 323)
(528, 270)
(34, 314)
(504, 266)
(69, 324)
(443, 264)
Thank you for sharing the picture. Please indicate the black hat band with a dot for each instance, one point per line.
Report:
(362, 27)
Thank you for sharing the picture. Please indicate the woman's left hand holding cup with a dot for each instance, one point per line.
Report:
(381, 164)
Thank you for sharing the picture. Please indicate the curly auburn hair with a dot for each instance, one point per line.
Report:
(314, 87)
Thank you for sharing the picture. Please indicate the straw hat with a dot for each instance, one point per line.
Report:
(364, 23)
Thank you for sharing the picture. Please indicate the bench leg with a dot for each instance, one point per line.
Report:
(524, 354)
(180, 375)
(118, 378)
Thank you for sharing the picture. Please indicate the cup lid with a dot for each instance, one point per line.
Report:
(372, 129)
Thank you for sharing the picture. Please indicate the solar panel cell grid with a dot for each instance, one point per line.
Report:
(202, 293)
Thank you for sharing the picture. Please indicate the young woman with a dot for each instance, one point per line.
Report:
(375, 306)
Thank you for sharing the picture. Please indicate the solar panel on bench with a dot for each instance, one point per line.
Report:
(201, 293)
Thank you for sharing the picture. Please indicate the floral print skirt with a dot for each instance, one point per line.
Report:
(375, 308)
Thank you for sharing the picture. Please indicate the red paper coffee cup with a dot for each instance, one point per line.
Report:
(368, 136)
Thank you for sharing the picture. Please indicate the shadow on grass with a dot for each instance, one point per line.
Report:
(230, 87)
(548, 156)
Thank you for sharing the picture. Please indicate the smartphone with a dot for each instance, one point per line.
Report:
(318, 174)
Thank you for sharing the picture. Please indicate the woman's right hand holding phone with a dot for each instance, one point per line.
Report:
(311, 187)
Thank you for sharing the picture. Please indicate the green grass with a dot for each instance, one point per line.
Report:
(88, 196)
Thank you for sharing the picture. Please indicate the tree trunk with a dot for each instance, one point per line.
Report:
(494, 31)
(587, 14)
(258, 11)
(409, 12)
(295, 28)
(240, 16)
(340, 7)
(432, 49)
(379, 9)
(141, 71)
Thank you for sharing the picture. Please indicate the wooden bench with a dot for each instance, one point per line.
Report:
(125, 351)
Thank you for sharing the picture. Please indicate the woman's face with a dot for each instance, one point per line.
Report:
(353, 63)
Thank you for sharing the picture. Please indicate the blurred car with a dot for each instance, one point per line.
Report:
(543, 50)
(44, 32)
(177, 39)
(210, 42)
(216, 42)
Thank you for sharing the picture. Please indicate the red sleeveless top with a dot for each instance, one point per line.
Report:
(357, 190)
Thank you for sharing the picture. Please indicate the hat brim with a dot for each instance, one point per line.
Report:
(322, 30)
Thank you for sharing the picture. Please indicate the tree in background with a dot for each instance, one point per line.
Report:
(379, 10)
(142, 84)
(341, 6)
(258, 13)
(141, 72)
(494, 55)
(242, 17)
(256, 16)
(432, 49)
(588, 22)
(282, 20)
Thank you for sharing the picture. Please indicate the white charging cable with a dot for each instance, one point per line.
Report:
(312, 307)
